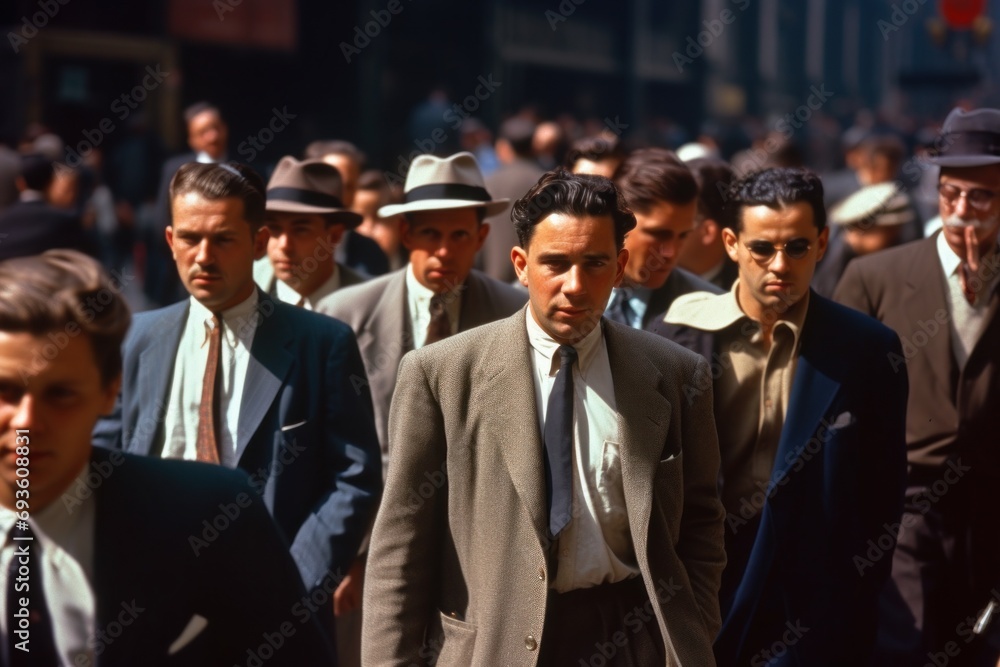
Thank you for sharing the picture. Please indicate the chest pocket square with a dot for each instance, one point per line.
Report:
(295, 425)
(843, 420)
(192, 630)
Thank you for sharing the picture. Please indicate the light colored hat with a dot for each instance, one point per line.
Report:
(310, 186)
(881, 205)
(435, 183)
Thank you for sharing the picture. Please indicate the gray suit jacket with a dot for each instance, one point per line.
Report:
(459, 562)
(379, 314)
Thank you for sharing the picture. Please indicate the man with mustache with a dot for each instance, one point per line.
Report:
(233, 377)
(810, 414)
(940, 295)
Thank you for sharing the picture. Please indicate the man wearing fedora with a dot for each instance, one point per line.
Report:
(234, 377)
(306, 219)
(940, 295)
(873, 219)
(438, 293)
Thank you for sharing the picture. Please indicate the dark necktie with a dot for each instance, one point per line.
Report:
(558, 439)
(621, 310)
(25, 572)
(208, 409)
(439, 326)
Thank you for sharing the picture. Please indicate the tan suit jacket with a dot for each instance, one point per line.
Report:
(459, 557)
(378, 312)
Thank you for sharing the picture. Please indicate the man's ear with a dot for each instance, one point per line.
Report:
(484, 231)
(405, 233)
(621, 262)
(169, 233)
(519, 257)
(260, 242)
(110, 394)
(821, 243)
(729, 240)
(335, 233)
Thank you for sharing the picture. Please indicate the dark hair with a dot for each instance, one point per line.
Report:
(322, 147)
(372, 180)
(199, 108)
(519, 133)
(775, 188)
(595, 149)
(222, 181)
(887, 146)
(714, 176)
(559, 191)
(37, 171)
(650, 175)
(67, 293)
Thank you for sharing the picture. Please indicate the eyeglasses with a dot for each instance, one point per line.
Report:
(763, 251)
(978, 198)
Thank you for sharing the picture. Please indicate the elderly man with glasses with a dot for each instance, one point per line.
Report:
(810, 414)
(941, 297)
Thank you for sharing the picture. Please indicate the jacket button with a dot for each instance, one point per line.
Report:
(541, 573)
(530, 643)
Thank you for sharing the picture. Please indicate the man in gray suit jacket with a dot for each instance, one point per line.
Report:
(443, 234)
(552, 497)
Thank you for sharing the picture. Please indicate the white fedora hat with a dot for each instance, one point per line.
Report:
(435, 183)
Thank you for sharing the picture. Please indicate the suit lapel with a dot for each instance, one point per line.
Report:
(386, 337)
(504, 367)
(270, 361)
(157, 367)
(923, 295)
(643, 418)
(813, 391)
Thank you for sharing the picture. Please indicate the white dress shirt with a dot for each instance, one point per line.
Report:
(64, 531)
(418, 300)
(181, 421)
(596, 547)
(287, 294)
(967, 320)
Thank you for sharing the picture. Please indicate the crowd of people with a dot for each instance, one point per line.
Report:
(548, 401)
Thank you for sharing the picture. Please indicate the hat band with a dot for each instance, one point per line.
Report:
(447, 191)
(307, 197)
(968, 143)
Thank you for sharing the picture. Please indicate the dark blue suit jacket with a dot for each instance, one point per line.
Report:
(157, 566)
(306, 426)
(808, 579)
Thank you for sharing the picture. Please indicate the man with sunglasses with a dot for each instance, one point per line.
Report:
(810, 415)
(940, 295)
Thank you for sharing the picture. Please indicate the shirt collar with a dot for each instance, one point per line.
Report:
(714, 312)
(60, 518)
(205, 158)
(31, 195)
(546, 346)
(949, 258)
(287, 293)
(239, 321)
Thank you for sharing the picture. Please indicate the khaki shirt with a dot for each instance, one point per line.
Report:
(752, 387)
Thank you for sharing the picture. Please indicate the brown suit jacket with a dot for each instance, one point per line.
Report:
(952, 412)
(459, 556)
(377, 311)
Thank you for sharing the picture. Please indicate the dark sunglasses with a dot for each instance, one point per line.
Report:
(762, 251)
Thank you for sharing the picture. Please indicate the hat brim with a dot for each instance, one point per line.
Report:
(964, 160)
(336, 215)
(492, 207)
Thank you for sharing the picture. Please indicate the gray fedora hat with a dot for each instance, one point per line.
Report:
(310, 186)
(968, 139)
(435, 183)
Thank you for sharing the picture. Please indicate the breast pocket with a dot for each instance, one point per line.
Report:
(458, 641)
